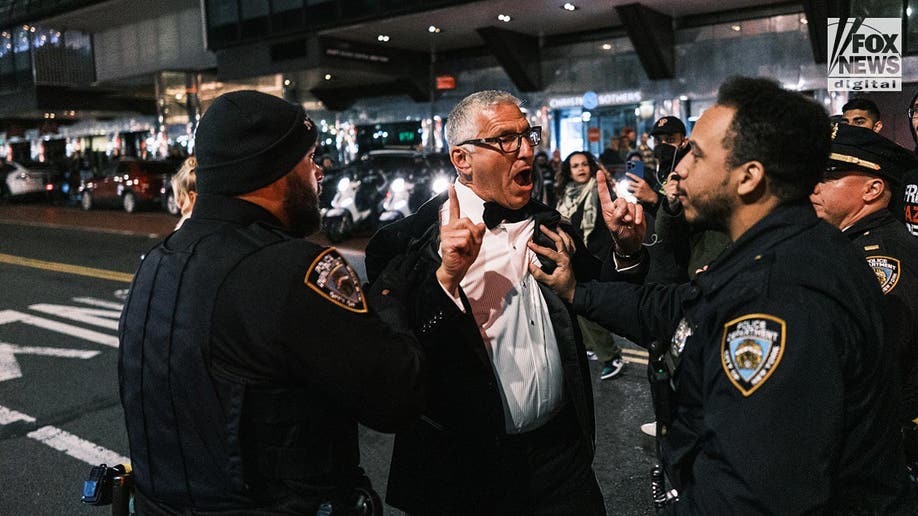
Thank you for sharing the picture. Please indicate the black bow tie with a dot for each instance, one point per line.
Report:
(494, 214)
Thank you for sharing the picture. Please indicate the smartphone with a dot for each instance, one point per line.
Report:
(635, 167)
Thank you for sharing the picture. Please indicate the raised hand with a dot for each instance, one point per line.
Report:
(669, 189)
(561, 280)
(460, 241)
(625, 220)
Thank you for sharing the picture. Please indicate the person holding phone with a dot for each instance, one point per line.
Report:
(646, 192)
(578, 201)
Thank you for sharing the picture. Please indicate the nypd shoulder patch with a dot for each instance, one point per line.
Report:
(333, 279)
(887, 271)
(751, 349)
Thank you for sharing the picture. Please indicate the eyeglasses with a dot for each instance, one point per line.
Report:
(511, 142)
(912, 112)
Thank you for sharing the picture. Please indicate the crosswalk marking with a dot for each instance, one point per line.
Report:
(64, 441)
(8, 416)
(99, 302)
(9, 366)
(11, 316)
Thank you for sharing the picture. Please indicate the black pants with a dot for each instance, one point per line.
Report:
(549, 472)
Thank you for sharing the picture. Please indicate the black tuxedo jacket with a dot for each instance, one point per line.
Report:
(450, 461)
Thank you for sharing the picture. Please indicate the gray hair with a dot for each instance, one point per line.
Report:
(460, 124)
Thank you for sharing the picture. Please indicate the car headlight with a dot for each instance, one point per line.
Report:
(343, 184)
(439, 185)
(398, 185)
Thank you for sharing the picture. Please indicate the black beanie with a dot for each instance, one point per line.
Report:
(247, 140)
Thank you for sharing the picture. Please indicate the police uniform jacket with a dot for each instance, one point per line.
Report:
(893, 255)
(784, 393)
(248, 356)
(449, 460)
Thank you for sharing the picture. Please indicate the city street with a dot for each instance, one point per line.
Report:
(64, 274)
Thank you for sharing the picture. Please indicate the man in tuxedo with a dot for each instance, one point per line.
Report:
(508, 427)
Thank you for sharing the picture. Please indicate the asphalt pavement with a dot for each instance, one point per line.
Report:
(63, 276)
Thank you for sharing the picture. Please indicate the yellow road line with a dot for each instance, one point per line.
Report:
(66, 268)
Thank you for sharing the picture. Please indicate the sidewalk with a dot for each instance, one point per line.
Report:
(148, 223)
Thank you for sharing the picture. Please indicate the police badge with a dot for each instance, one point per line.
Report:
(336, 281)
(887, 271)
(682, 333)
(751, 349)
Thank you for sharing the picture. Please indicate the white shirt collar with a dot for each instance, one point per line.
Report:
(470, 205)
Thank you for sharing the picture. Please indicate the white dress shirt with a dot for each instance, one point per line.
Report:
(513, 318)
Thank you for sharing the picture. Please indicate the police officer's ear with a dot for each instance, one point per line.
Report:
(752, 178)
(461, 159)
(874, 189)
(877, 126)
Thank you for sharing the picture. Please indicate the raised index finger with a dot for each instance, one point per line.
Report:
(453, 204)
(602, 188)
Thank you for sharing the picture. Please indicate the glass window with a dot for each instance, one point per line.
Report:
(286, 5)
(911, 27)
(222, 23)
(321, 12)
(6, 61)
(255, 18)
(570, 133)
(252, 9)
(286, 15)
(222, 12)
(876, 9)
(357, 9)
(22, 58)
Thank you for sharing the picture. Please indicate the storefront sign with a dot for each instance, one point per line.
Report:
(593, 134)
(356, 55)
(446, 82)
(590, 100)
(602, 99)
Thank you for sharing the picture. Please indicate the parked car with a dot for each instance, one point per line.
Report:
(128, 183)
(26, 180)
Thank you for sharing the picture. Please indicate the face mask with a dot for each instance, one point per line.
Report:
(664, 153)
(668, 156)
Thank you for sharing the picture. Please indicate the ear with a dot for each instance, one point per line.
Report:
(877, 126)
(752, 177)
(873, 189)
(461, 159)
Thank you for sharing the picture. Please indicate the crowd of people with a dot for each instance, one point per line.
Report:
(764, 262)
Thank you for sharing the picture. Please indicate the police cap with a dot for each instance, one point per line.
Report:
(860, 149)
(668, 125)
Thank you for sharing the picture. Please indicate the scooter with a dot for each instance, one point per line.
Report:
(356, 204)
(407, 192)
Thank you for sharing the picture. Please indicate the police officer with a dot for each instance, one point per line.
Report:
(865, 169)
(783, 390)
(248, 354)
